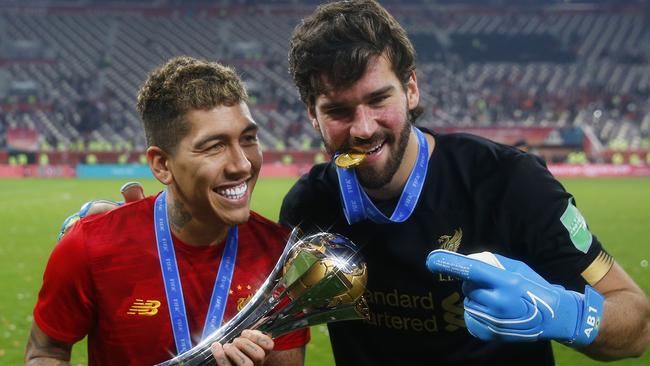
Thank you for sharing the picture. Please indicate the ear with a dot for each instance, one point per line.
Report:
(412, 91)
(158, 161)
(311, 111)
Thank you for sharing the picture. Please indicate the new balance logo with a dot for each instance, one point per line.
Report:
(145, 308)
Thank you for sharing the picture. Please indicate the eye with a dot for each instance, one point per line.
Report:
(378, 100)
(249, 139)
(217, 147)
(338, 112)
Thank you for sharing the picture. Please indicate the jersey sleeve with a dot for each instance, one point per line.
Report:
(546, 223)
(64, 309)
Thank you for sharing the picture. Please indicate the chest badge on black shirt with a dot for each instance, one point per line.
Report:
(451, 242)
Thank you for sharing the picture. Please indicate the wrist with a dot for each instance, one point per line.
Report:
(588, 321)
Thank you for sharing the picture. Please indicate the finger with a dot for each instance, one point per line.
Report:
(464, 267)
(236, 356)
(522, 268)
(480, 297)
(492, 305)
(132, 191)
(67, 224)
(87, 209)
(259, 338)
(489, 331)
(503, 312)
(219, 354)
(477, 328)
(254, 352)
(99, 206)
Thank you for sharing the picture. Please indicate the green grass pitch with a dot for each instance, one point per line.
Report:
(31, 211)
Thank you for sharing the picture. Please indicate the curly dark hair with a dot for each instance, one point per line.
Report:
(339, 39)
(179, 86)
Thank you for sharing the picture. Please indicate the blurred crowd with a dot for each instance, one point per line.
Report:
(74, 100)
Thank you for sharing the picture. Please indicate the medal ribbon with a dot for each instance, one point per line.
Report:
(357, 206)
(172, 280)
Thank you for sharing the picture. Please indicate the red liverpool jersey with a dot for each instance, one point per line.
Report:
(104, 280)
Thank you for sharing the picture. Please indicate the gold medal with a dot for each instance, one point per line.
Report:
(349, 160)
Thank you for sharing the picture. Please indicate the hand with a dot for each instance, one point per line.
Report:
(251, 348)
(131, 191)
(506, 300)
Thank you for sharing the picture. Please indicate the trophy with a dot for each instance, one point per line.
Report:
(318, 279)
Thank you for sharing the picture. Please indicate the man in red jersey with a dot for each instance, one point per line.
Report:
(138, 280)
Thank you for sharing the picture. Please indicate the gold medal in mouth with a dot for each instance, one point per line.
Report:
(349, 159)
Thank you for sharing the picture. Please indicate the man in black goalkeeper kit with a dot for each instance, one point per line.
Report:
(416, 191)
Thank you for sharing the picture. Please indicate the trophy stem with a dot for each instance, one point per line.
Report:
(323, 278)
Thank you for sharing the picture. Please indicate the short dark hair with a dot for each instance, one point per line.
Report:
(339, 39)
(179, 86)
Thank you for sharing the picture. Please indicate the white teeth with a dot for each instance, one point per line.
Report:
(375, 149)
(234, 193)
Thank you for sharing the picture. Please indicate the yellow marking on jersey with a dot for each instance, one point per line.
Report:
(454, 310)
(598, 268)
(451, 243)
(242, 301)
(145, 308)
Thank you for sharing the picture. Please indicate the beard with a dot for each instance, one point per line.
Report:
(371, 177)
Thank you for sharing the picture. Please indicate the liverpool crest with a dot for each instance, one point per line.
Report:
(451, 242)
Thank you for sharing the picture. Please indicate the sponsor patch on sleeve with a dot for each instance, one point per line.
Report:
(576, 225)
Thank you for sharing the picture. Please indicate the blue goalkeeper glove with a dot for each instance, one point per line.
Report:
(131, 191)
(506, 300)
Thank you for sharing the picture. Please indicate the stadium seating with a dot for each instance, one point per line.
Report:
(74, 67)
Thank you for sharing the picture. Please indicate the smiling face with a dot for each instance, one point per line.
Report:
(372, 115)
(216, 164)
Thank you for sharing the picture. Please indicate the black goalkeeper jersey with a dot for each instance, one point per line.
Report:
(478, 196)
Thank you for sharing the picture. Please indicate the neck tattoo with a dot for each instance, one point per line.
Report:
(178, 215)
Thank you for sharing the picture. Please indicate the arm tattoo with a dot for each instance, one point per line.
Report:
(43, 350)
(179, 215)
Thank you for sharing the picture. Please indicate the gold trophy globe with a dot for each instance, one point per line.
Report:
(323, 278)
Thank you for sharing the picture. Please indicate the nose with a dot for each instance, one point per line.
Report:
(364, 125)
(238, 164)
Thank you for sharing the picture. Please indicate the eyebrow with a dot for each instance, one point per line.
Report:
(252, 127)
(381, 91)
